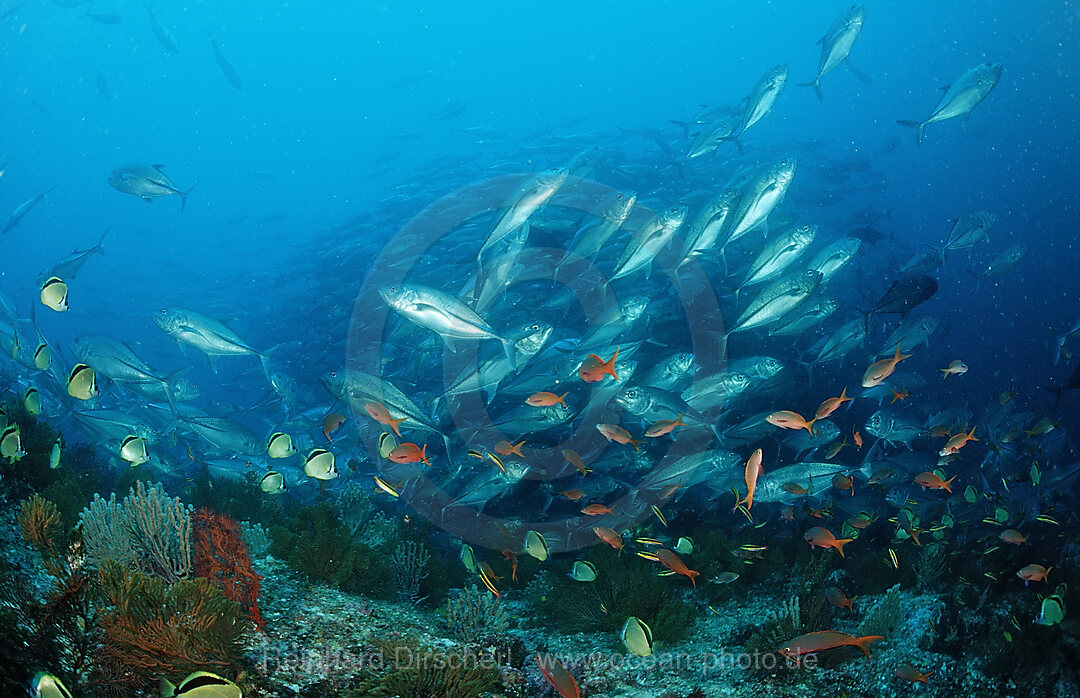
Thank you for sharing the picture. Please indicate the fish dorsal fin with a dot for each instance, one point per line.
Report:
(945, 88)
(158, 167)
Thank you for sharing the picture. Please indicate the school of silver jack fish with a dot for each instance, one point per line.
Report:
(574, 351)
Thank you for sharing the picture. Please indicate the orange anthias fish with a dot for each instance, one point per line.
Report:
(1012, 536)
(609, 536)
(786, 419)
(573, 495)
(509, 555)
(750, 475)
(596, 510)
(839, 599)
(957, 367)
(835, 449)
(543, 399)
(880, 370)
(910, 673)
(795, 489)
(573, 458)
(378, 412)
(857, 438)
(675, 564)
(664, 426)
(505, 448)
(831, 405)
(819, 537)
(812, 643)
(594, 368)
(933, 482)
(557, 675)
(957, 442)
(860, 521)
(670, 490)
(613, 432)
(843, 482)
(901, 394)
(1033, 573)
(332, 423)
(409, 453)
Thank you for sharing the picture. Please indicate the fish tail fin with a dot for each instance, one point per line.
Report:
(816, 84)
(947, 484)
(917, 125)
(184, 196)
(394, 424)
(864, 643)
(692, 574)
(101, 242)
(840, 543)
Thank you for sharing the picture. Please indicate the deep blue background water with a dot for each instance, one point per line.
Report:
(338, 101)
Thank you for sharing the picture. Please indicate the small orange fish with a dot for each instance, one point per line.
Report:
(819, 537)
(675, 564)
(594, 368)
(839, 599)
(812, 643)
(843, 482)
(573, 495)
(933, 482)
(664, 426)
(378, 412)
(860, 521)
(1033, 573)
(901, 394)
(509, 555)
(596, 510)
(795, 489)
(750, 476)
(332, 423)
(543, 399)
(669, 490)
(880, 370)
(505, 448)
(957, 442)
(831, 405)
(409, 453)
(910, 673)
(904, 522)
(822, 512)
(879, 476)
(857, 438)
(940, 432)
(613, 432)
(1007, 395)
(786, 419)
(609, 536)
(835, 449)
(787, 514)
(957, 367)
(557, 675)
(1012, 536)
(573, 458)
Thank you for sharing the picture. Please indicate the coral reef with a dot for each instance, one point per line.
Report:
(474, 614)
(221, 556)
(884, 618)
(147, 531)
(409, 668)
(157, 629)
(409, 562)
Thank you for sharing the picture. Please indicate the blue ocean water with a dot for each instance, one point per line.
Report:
(349, 120)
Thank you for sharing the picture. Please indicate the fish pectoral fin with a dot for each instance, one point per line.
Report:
(863, 77)
(213, 362)
(449, 343)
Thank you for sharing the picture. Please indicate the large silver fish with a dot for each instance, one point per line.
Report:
(147, 182)
(893, 428)
(591, 237)
(910, 333)
(21, 210)
(489, 374)
(969, 230)
(761, 100)
(716, 133)
(705, 231)
(206, 334)
(69, 266)
(356, 387)
(837, 43)
(960, 97)
(644, 245)
(815, 477)
(777, 299)
(226, 435)
(835, 257)
(442, 314)
(842, 341)
(1005, 262)
(759, 199)
(806, 317)
(530, 196)
(778, 255)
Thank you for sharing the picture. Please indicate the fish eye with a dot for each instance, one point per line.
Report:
(163, 311)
